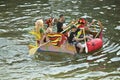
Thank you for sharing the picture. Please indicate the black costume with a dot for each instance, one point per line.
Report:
(59, 27)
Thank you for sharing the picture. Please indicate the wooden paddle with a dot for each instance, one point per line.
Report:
(101, 28)
(86, 49)
(69, 26)
(33, 50)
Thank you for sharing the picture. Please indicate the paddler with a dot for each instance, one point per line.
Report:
(39, 29)
(50, 24)
(77, 35)
(61, 26)
(82, 25)
(75, 41)
(60, 23)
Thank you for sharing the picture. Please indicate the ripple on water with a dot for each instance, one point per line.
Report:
(65, 69)
(75, 13)
(101, 12)
(98, 58)
(115, 59)
(108, 48)
(96, 8)
(111, 78)
(19, 18)
(92, 74)
(107, 7)
(74, 2)
(118, 27)
(118, 53)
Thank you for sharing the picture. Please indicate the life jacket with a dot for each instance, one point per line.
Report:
(80, 34)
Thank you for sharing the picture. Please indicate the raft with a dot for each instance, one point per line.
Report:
(59, 44)
(66, 48)
(92, 45)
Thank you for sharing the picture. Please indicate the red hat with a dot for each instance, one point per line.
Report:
(82, 21)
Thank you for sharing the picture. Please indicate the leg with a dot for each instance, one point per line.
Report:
(77, 49)
(79, 45)
(89, 37)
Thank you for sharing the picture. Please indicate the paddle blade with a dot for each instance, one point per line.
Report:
(30, 46)
(86, 48)
(33, 50)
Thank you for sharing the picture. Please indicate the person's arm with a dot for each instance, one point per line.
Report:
(64, 26)
(100, 24)
(91, 23)
(80, 39)
(47, 30)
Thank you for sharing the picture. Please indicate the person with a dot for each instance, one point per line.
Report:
(39, 27)
(73, 40)
(49, 29)
(60, 23)
(83, 25)
(39, 30)
(49, 23)
(78, 35)
(80, 45)
(72, 35)
(81, 36)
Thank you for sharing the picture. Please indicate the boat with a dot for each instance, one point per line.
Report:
(91, 46)
(65, 48)
(58, 43)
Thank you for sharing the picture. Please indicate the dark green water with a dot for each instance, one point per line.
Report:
(17, 17)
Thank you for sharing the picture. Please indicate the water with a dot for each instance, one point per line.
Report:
(17, 17)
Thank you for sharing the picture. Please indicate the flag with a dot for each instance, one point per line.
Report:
(57, 39)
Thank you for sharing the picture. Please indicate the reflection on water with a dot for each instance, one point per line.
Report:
(18, 17)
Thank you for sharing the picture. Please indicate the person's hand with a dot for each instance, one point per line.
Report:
(93, 20)
(75, 38)
(88, 37)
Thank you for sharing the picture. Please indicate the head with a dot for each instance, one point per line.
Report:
(74, 28)
(49, 22)
(62, 18)
(81, 21)
(39, 23)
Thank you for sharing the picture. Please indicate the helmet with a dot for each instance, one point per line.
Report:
(82, 21)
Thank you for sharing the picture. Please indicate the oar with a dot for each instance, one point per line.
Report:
(101, 28)
(86, 49)
(68, 27)
(33, 50)
(97, 33)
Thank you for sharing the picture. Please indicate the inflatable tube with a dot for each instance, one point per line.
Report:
(94, 44)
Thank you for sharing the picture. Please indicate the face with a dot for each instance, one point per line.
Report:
(50, 24)
(63, 18)
(74, 29)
